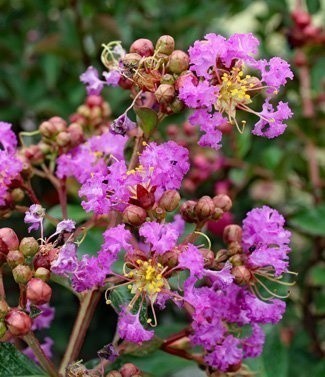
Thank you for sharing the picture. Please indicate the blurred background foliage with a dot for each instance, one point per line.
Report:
(46, 45)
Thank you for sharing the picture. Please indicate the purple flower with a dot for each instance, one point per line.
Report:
(121, 125)
(66, 226)
(220, 278)
(162, 237)
(34, 216)
(91, 79)
(179, 224)
(265, 240)
(112, 77)
(8, 139)
(197, 95)
(46, 347)
(271, 121)
(192, 259)
(253, 345)
(131, 329)
(10, 168)
(67, 261)
(225, 354)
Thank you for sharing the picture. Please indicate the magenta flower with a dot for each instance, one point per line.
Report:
(34, 216)
(66, 226)
(67, 261)
(192, 259)
(253, 345)
(91, 79)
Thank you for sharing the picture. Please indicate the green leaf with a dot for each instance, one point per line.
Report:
(13, 363)
(145, 349)
(317, 275)
(147, 119)
(275, 355)
(244, 142)
(75, 212)
(310, 221)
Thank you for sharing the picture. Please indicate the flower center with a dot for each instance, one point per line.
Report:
(233, 91)
(147, 278)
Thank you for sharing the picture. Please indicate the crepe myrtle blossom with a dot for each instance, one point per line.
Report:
(34, 216)
(10, 165)
(225, 76)
(118, 186)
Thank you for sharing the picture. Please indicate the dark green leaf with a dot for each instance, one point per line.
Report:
(317, 275)
(147, 119)
(13, 363)
(310, 220)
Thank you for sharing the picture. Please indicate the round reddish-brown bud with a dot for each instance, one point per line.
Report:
(28, 246)
(170, 258)
(44, 257)
(33, 154)
(222, 255)
(18, 322)
(301, 18)
(241, 274)
(204, 208)
(167, 79)
(131, 60)
(125, 83)
(42, 273)
(59, 123)
(8, 240)
(76, 134)
(223, 202)
(114, 373)
(94, 100)
(22, 274)
(208, 256)
(38, 292)
(165, 44)
(178, 62)
(15, 258)
(165, 93)
(143, 47)
(232, 233)
(4, 308)
(129, 370)
(63, 139)
(234, 248)
(187, 211)
(134, 215)
(236, 260)
(170, 200)
(17, 195)
(47, 129)
(217, 214)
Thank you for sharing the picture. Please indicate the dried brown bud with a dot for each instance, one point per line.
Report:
(208, 256)
(44, 257)
(131, 60)
(38, 292)
(129, 370)
(165, 44)
(22, 274)
(165, 93)
(17, 195)
(187, 211)
(241, 274)
(169, 200)
(8, 240)
(42, 273)
(143, 47)
(232, 233)
(222, 255)
(14, 258)
(223, 202)
(234, 248)
(178, 62)
(204, 208)
(19, 323)
(134, 215)
(28, 246)
(170, 258)
(4, 308)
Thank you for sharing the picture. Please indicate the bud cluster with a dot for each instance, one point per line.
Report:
(127, 370)
(205, 208)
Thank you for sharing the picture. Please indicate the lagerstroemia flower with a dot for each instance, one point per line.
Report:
(34, 216)
(221, 85)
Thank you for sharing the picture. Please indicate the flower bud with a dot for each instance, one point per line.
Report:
(170, 258)
(17, 195)
(169, 200)
(114, 373)
(14, 258)
(63, 139)
(3, 329)
(177, 105)
(234, 248)
(217, 214)
(167, 79)
(223, 202)
(38, 292)
(28, 246)
(236, 260)
(59, 123)
(33, 154)
(22, 274)
(135, 255)
(42, 273)
(208, 256)
(4, 308)
(8, 240)
(44, 257)
(165, 44)
(129, 370)
(143, 47)
(19, 323)
(76, 134)
(131, 60)
(178, 62)
(222, 255)
(125, 83)
(159, 213)
(241, 274)
(94, 100)
(165, 93)
(204, 208)
(134, 215)
(187, 211)
(47, 129)
(232, 233)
